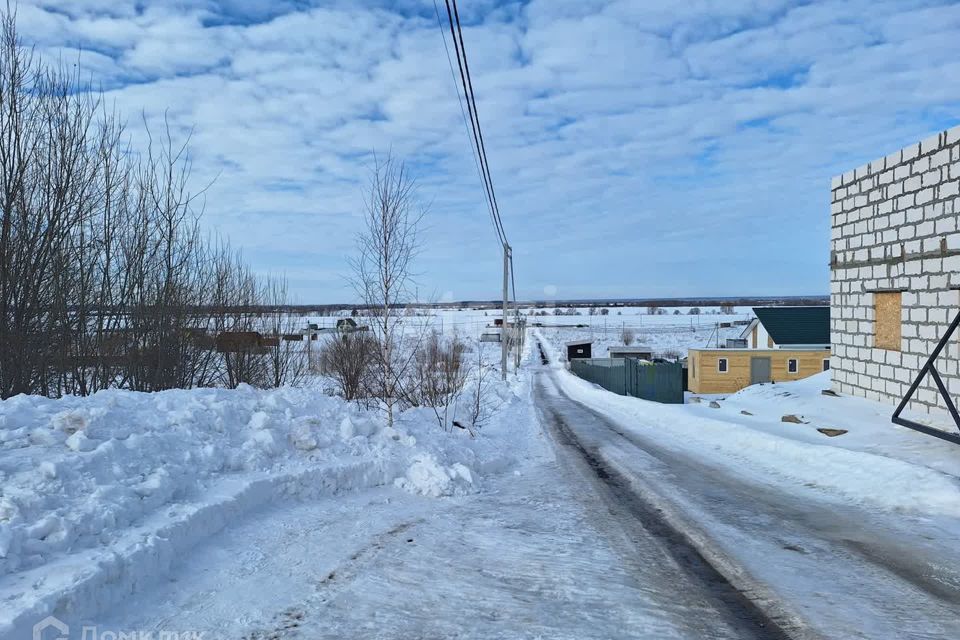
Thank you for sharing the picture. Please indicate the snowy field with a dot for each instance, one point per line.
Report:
(672, 331)
(668, 335)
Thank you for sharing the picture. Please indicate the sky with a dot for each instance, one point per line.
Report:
(638, 148)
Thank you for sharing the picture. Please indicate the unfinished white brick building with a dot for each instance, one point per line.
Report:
(895, 272)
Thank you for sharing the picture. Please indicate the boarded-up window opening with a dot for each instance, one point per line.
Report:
(886, 320)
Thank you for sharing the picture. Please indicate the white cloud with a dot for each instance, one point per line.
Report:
(637, 147)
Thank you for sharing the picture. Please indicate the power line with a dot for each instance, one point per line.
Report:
(456, 34)
(460, 48)
(466, 126)
(476, 115)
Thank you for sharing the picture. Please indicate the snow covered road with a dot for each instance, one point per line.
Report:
(530, 558)
(546, 550)
(816, 565)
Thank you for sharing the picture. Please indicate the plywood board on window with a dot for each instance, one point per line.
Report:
(887, 320)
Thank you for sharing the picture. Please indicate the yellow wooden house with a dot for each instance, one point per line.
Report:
(783, 343)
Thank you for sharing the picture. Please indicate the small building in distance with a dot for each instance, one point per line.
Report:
(779, 345)
(579, 349)
(638, 351)
(346, 324)
(349, 325)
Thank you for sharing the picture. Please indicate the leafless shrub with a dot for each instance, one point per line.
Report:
(347, 359)
(628, 336)
(437, 376)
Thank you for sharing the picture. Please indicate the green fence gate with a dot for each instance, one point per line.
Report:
(660, 381)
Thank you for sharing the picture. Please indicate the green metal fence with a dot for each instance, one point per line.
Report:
(660, 382)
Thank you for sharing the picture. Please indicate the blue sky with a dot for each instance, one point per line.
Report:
(638, 148)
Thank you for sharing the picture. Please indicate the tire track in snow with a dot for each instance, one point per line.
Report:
(288, 622)
(743, 614)
(752, 620)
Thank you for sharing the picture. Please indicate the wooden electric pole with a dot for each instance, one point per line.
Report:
(504, 342)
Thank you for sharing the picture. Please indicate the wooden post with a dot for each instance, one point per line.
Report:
(503, 330)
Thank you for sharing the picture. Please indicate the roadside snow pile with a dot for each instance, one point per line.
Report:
(99, 494)
(763, 447)
(866, 424)
(428, 477)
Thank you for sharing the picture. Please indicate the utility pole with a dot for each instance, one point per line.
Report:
(521, 333)
(504, 347)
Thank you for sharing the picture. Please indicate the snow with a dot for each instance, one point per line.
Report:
(101, 498)
(427, 477)
(99, 495)
(917, 474)
(664, 334)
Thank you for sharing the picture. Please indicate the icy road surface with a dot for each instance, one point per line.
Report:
(816, 566)
(545, 551)
(599, 533)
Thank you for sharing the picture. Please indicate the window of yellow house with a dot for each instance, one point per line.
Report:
(793, 365)
(722, 365)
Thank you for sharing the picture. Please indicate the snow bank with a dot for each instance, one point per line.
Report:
(761, 446)
(98, 495)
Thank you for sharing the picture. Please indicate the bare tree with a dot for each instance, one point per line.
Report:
(286, 358)
(105, 278)
(382, 271)
(480, 408)
(628, 336)
(346, 359)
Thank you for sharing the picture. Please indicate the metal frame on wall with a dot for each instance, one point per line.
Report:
(929, 368)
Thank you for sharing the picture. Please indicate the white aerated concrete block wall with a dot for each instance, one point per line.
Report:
(894, 228)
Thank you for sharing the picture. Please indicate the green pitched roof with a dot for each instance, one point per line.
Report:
(796, 325)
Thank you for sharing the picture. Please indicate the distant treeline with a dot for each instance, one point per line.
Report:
(767, 301)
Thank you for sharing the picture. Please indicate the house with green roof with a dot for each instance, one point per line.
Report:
(779, 345)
